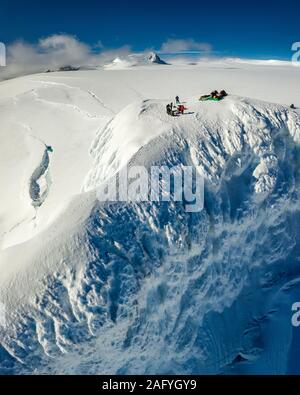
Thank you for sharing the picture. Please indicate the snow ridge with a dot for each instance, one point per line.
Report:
(150, 288)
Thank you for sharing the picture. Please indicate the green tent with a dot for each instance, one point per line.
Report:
(206, 98)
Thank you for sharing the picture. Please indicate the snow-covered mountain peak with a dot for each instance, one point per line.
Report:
(236, 130)
(119, 64)
(155, 58)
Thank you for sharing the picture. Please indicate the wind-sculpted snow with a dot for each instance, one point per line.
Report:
(148, 287)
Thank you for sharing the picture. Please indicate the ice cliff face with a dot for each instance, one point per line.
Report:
(150, 288)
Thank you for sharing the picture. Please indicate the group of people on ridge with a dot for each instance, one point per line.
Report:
(177, 109)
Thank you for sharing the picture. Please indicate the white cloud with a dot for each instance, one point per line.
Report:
(184, 45)
(61, 48)
(54, 52)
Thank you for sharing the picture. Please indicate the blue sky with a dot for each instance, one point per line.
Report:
(257, 29)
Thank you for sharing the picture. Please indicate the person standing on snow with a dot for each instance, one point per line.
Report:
(177, 100)
(171, 108)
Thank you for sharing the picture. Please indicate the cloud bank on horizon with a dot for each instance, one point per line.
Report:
(60, 50)
(56, 51)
